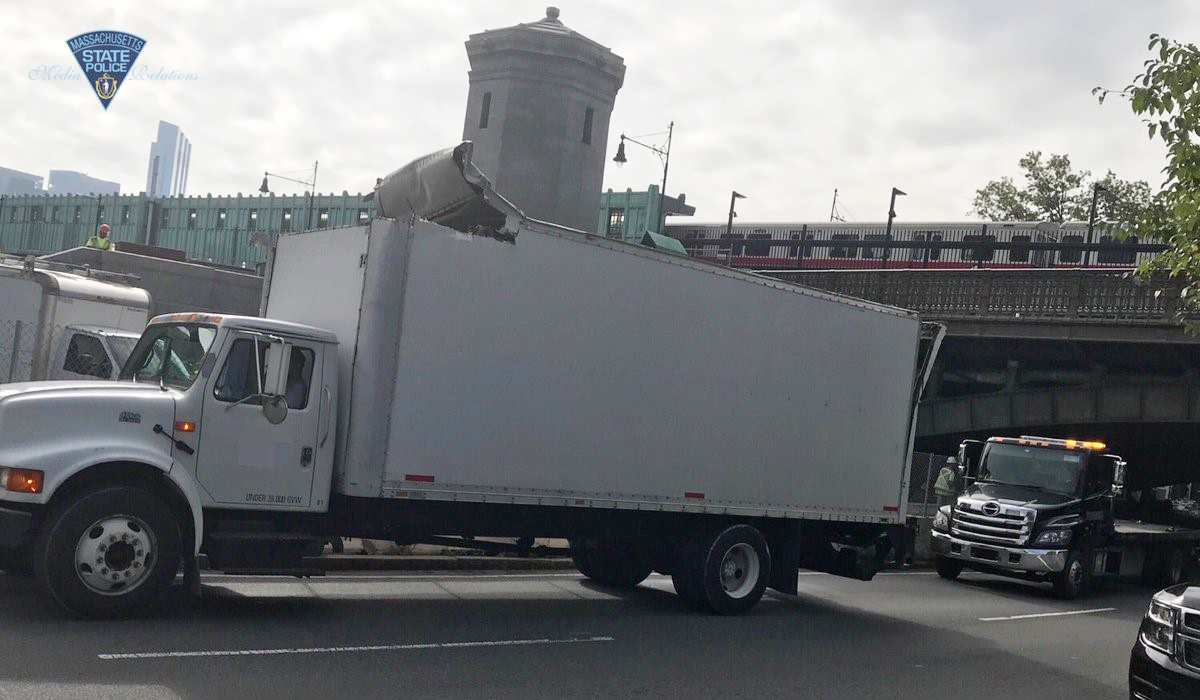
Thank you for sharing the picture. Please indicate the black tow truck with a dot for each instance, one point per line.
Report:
(1044, 509)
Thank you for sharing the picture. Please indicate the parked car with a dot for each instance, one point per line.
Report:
(1165, 661)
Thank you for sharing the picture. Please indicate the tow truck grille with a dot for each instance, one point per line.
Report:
(1009, 526)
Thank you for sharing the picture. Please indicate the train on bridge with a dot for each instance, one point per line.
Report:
(951, 245)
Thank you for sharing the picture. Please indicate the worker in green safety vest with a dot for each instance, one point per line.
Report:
(946, 484)
(101, 241)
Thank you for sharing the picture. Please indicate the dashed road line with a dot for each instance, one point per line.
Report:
(1049, 614)
(350, 649)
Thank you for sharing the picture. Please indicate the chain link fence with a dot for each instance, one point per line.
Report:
(922, 475)
(16, 350)
(71, 352)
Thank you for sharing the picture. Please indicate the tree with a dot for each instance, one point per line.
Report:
(1055, 192)
(1167, 95)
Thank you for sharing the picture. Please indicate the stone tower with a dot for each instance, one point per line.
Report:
(537, 110)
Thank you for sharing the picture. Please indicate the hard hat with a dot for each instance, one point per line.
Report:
(103, 228)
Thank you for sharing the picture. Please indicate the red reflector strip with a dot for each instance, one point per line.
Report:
(418, 477)
(891, 509)
(693, 494)
(580, 502)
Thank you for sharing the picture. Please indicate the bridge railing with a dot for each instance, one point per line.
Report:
(1081, 295)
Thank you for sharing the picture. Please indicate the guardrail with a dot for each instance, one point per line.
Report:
(1080, 295)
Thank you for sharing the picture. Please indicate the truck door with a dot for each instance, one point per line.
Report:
(243, 458)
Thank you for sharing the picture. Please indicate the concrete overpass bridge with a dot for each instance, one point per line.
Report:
(1083, 352)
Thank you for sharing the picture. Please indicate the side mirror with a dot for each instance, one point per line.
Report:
(276, 369)
(275, 409)
(968, 455)
(1119, 478)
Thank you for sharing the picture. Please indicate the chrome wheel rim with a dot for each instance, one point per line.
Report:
(115, 554)
(739, 570)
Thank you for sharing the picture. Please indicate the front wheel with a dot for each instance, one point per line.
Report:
(948, 568)
(109, 553)
(1072, 580)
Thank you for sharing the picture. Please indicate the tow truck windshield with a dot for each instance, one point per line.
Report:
(1047, 469)
(170, 353)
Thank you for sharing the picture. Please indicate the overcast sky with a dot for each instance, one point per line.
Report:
(782, 101)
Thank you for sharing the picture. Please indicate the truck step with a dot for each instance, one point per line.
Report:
(258, 552)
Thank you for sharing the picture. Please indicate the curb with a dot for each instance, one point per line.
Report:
(356, 562)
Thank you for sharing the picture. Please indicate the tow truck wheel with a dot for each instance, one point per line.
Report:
(948, 568)
(109, 553)
(1072, 580)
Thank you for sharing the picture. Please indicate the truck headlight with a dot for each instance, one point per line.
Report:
(1056, 536)
(21, 480)
(941, 519)
(1158, 627)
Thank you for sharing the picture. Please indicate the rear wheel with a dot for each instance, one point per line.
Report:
(109, 553)
(1072, 580)
(948, 568)
(726, 571)
(618, 563)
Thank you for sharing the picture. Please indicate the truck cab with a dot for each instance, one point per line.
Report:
(104, 486)
(1032, 507)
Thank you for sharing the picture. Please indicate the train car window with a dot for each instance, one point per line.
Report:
(1070, 255)
(984, 248)
(760, 245)
(1121, 252)
(795, 250)
(841, 251)
(935, 247)
(1019, 253)
(873, 252)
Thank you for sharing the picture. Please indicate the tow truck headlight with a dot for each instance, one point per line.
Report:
(1158, 627)
(1053, 537)
(941, 519)
(21, 480)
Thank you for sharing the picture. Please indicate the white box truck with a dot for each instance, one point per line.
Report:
(63, 322)
(455, 369)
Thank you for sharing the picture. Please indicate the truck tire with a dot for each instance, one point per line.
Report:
(109, 553)
(616, 563)
(724, 572)
(948, 568)
(1072, 581)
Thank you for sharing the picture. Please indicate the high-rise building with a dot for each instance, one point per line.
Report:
(537, 111)
(17, 182)
(71, 182)
(170, 155)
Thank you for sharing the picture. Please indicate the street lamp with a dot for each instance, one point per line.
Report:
(887, 237)
(733, 198)
(310, 183)
(664, 154)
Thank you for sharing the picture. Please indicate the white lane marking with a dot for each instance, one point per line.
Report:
(1051, 614)
(342, 650)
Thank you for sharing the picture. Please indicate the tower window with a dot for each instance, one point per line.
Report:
(587, 125)
(483, 112)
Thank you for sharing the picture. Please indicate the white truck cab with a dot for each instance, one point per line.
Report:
(209, 412)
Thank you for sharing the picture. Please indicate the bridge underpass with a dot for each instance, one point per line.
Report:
(1090, 354)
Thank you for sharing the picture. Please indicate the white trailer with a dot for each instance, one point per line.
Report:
(457, 369)
(64, 322)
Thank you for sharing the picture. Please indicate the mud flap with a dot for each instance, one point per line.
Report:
(784, 543)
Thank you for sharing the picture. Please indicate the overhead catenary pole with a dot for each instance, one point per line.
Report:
(1097, 188)
(887, 236)
(733, 198)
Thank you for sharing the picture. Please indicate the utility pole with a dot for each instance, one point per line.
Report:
(1096, 190)
(887, 242)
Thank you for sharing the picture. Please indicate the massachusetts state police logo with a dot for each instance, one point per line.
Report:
(106, 57)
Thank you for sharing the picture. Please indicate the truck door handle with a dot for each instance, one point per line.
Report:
(326, 409)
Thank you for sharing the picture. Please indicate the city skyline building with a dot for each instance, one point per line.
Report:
(170, 157)
(16, 182)
(73, 182)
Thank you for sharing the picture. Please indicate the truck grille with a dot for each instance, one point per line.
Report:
(1009, 526)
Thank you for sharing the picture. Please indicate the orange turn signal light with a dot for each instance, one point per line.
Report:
(185, 426)
(22, 480)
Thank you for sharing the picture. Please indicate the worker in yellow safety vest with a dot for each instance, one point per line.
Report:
(101, 240)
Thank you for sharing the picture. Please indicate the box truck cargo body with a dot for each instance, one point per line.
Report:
(456, 369)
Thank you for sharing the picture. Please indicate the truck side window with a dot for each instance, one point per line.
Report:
(237, 380)
(299, 379)
(1100, 475)
(85, 355)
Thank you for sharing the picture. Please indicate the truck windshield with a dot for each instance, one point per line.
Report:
(1042, 468)
(170, 353)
